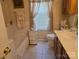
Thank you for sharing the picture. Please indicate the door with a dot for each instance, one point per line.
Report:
(4, 42)
(8, 12)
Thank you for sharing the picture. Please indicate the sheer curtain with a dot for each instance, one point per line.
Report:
(34, 11)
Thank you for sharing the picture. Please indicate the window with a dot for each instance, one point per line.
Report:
(18, 3)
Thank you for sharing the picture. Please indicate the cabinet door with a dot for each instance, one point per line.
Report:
(59, 47)
(55, 46)
(64, 54)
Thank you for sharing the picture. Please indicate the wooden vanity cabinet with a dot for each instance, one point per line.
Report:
(64, 54)
(68, 43)
(60, 53)
(57, 49)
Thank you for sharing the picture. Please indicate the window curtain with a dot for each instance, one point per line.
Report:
(34, 11)
(50, 13)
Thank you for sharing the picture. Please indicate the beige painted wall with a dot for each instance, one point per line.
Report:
(9, 12)
(73, 20)
(27, 13)
(57, 13)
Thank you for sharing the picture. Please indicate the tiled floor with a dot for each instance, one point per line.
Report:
(39, 51)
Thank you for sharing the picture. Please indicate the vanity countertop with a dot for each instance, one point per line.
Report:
(69, 41)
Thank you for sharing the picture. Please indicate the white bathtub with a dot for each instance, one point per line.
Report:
(19, 42)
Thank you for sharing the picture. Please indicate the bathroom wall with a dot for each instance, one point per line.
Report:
(9, 12)
(27, 13)
(57, 13)
(73, 20)
(24, 13)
